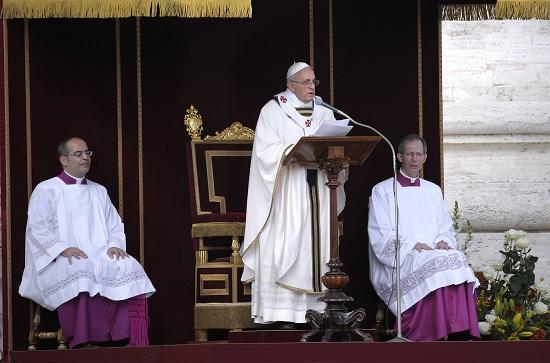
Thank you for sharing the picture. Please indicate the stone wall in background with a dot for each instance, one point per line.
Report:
(496, 122)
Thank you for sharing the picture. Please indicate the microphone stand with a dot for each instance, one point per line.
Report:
(399, 337)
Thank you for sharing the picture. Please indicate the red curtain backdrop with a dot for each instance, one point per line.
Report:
(227, 68)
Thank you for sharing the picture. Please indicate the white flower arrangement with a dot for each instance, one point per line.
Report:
(511, 303)
(514, 234)
(497, 265)
(484, 327)
(489, 272)
(540, 308)
(490, 318)
(522, 243)
(539, 285)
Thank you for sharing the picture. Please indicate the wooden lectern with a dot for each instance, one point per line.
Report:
(333, 154)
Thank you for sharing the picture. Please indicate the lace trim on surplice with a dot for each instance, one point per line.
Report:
(388, 252)
(419, 276)
(112, 282)
(43, 248)
(124, 279)
(60, 285)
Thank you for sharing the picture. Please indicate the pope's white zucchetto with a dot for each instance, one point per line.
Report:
(295, 68)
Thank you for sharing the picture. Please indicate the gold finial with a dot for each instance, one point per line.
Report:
(234, 132)
(193, 122)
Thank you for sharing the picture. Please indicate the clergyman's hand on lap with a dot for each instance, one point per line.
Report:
(442, 245)
(73, 252)
(419, 246)
(116, 252)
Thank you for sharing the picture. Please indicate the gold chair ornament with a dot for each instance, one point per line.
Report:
(193, 122)
(234, 132)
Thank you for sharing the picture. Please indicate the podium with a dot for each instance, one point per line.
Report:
(333, 154)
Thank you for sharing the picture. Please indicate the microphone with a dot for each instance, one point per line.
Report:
(319, 101)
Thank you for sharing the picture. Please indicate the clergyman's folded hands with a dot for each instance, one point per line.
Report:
(441, 245)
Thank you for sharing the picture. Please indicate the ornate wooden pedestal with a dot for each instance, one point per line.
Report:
(333, 155)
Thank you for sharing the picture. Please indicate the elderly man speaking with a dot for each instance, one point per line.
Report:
(286, 242)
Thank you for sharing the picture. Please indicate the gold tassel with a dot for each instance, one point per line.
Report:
(13, 9)
(468, 12)
(522, 9)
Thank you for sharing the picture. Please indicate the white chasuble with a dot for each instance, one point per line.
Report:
(423, 217)
(279, 256)
(76, 215)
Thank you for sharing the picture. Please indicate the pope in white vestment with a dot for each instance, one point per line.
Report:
(286, 242)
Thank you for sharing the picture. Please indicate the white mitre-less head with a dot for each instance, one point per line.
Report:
(295, 68)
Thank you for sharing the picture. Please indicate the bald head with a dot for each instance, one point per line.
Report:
(74, 156)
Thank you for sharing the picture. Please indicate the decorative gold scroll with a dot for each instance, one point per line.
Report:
(234, 132)
(13, 9)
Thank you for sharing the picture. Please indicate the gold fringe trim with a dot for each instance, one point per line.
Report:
(14, 9)
(523, 9)
(468, 12)
(216, 229)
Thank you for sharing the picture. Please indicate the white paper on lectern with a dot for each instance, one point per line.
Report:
(334, 128)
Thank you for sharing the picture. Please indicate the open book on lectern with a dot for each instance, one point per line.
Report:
(333, 128)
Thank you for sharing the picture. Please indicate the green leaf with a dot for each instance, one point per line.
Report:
(507, 266)
(525, 334)
(517, 320)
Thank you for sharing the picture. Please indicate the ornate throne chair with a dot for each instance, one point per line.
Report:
(218, 168)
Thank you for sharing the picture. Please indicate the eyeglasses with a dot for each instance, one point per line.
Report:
(413, 154)
(79, 153)
(308, 82)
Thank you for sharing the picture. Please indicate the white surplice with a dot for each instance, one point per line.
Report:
(76, 215)
(277, 247)
(423, 217)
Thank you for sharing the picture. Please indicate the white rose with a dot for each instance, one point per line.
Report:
(484, 327)
(540, 308)
(510, 233)
(539, 284)
(522, 243)
(490, 318)
(514, 234)
(497, 265)
(475, 266)
(489, 273)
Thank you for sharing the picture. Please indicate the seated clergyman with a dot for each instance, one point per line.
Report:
(76, 260)
(437, 284)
